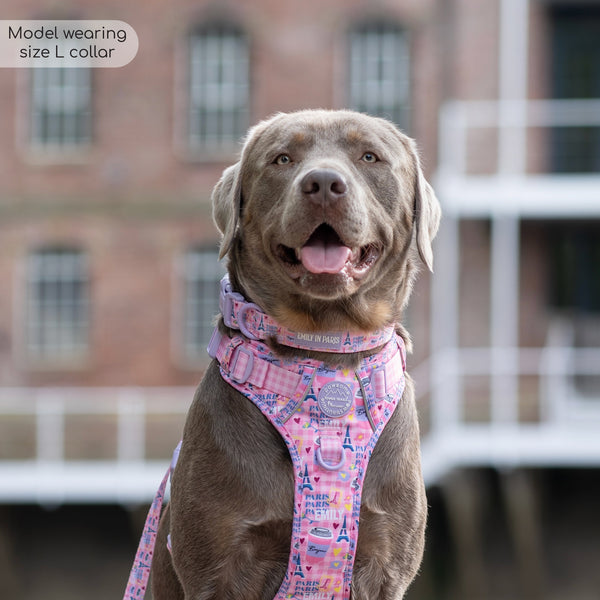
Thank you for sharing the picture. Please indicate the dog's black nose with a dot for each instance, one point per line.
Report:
(323, 185)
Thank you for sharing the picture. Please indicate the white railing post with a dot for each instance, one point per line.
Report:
(512, 143)
(512, 86)
(505, 319)
(131, 438)
(446, 403)
(50, 426)
(452, 143)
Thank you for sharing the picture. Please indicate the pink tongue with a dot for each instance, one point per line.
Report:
(319, 256)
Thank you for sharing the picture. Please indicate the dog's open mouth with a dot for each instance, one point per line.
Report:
(325, 253)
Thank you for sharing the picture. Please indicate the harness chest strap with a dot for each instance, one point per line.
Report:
(330, 421)
(243, 365)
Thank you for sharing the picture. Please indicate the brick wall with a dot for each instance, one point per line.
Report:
(136, 199)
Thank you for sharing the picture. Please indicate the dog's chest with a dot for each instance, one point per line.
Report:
(330, 421)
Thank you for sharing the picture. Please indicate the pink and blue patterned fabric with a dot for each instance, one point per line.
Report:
(330, 421)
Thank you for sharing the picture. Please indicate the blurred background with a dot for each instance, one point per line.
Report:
(109, 271)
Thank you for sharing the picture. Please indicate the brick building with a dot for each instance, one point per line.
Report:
(109, 268)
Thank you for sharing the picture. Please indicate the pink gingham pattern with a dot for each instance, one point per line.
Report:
(240, 360)
(330, 420)
(330, 457)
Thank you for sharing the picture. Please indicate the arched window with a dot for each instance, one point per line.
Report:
(379, 71)
(218, 87)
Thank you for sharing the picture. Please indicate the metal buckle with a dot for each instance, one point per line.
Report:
(233, 364)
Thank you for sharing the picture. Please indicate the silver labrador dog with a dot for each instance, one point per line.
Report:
(325, 219)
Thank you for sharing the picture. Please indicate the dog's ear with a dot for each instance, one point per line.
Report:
(426, 208)
(427, 214)
(226, 202)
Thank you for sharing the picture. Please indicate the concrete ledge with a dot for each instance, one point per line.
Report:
(85, 482)
(509, 446)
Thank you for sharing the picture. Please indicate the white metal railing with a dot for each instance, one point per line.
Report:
(555, 367)
(504, 188)
(507, 186)
(566, 432)
(458, 117)
(48, 476)
(130, 406)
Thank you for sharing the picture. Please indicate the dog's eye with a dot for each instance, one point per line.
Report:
(283, 159)
(369, 157)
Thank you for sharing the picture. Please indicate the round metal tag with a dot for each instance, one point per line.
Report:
(335, 399)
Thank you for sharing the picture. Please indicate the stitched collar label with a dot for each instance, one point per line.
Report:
(317, 341)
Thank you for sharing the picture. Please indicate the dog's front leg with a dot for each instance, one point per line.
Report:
(249, 563)
(231, 499)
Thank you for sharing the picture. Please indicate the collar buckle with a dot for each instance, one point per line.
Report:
(227, 300)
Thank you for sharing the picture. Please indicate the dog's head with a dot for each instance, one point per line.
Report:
(324, 219)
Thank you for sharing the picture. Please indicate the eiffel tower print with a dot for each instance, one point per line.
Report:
(306, 484)
(347, 440)
(311, 395)
(343, 532)
(298, 571)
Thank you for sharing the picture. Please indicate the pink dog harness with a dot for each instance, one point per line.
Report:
(330, 421)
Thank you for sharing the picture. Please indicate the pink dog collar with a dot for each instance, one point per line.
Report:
(257, 325)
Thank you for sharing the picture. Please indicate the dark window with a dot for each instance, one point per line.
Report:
(379, 68)
(576, 267)
(57, 304)
(202, 273)
(218, 88)
(61, 113)
(576, 75)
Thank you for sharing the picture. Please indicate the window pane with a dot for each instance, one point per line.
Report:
(219, 97)
(575, 284)
(379, 72)
(202, 273)
(57, 304)
(60, 108)
(576, 75)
